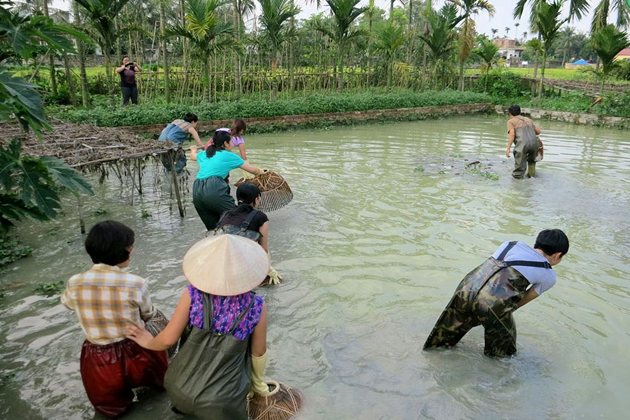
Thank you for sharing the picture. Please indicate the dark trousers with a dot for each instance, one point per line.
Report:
(110, 371)
(129, 93)
(211, 197)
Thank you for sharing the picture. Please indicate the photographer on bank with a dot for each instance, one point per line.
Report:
(128, 85)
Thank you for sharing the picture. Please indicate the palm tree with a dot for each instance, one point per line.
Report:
(207, 33)
(577, 9)
(603, 9)
(440, 37)
(101, 15)
(342, 32)
(546, 17)
(275, 18)
(607, 42)
(525, 33)
(468, 9)
(487, 51)
(241, 9)
(85, 97)
(516, 25)
(494, 32)
(566, 43)
(507, 31)
(388, 40)
(167, 90)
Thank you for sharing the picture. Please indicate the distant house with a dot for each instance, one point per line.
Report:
(509, 49)
(623, 55)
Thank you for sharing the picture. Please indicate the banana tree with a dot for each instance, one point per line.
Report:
(275, 20)
(342, 31)
(101, 15)
(468, 9)
(207, 32)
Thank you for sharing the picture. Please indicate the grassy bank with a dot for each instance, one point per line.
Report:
(252, 108)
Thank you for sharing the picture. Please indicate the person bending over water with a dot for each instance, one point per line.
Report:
(515, 275)
(223, 329)
(105, 299)
(245, 220)
(177, 132)
(211, 191)
(524, 134)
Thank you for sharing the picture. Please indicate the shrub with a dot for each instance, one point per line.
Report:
(249, 108)
(502, 83)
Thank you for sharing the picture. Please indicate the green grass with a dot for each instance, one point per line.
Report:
(556, 74)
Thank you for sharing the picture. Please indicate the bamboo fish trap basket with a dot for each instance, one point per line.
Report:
(275, 192)
(282, 404)
(155, 325)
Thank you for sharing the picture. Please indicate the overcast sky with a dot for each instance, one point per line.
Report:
(501, 19)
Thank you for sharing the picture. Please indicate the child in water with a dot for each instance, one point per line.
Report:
(236, 132)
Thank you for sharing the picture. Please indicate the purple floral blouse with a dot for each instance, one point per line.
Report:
(226, 310)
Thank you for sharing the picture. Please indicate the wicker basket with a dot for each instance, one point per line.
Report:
(281, 404)
(275, 192)
(155, 325)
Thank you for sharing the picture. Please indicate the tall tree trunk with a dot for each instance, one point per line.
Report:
(81, 50)
(291, 57)
(542, 77)
(274, 80)
(167, 90)
(390, 73)
(69, 81)
(109, 76)
(206, 75)
(51, 58)
(461, 75)
(340, 70)
(410, 33)
(237, 57)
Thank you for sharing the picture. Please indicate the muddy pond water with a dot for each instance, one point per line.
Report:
(385, 222)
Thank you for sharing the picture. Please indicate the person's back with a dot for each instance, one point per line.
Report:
(105, 300)
(176, 132)
(523, 133)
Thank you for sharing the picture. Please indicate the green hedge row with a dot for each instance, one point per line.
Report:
(249, 108)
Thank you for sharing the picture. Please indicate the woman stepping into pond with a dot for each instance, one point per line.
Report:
(105, 300)
(177, 132)
(245, 220)
(211, 191)
(223, 323)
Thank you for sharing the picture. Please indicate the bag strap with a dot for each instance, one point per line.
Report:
(539, 264)
(249, 219)
(242, 315)
(208, 310)
(507, 249)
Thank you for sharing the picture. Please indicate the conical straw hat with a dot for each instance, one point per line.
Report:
(226, 265)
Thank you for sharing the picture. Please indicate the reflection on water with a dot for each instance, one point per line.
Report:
(372, 248)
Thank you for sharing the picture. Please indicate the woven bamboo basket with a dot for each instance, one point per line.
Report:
(155, 325)
(281, 404)
(275, 192)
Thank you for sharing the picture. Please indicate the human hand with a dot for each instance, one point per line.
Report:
(139, 335)
(507, 153)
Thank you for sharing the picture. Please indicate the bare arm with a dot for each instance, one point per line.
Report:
(195, 135)
(193, 152)
(137, 68)
(119, 69)
(264, 231)
(529, 296)
(251, 169)
(511, 136)
(170, 334)
(241, 149)
(259, 336)
(538, 130)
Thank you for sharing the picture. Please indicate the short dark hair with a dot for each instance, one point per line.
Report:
(515, 110)
(190, 117)
(551, 241)
(109, 242)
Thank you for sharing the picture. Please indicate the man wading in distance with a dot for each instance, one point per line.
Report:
(524, 134)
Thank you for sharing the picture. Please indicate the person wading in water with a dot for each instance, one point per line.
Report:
(524, 134)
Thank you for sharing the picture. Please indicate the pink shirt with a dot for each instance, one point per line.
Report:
(235, 139)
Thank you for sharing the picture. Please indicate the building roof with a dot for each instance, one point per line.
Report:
(624, 52)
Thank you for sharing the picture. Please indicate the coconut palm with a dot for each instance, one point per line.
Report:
(101, 15)
(274, 18)
(241, 8)
(546, 17)
(568, 42)
(607, 42)
(603, 10)
(577, 9)
(206, 32)
(342, 32)
(468, 9)
(487, 51)
(441, 36)
(388, 41)
(494, 32)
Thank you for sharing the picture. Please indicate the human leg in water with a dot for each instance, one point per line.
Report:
(500, 334)
(456, 320)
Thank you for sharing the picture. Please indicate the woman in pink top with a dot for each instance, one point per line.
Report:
(238, 129)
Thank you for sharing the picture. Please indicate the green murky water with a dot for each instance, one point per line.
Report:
(385, 221)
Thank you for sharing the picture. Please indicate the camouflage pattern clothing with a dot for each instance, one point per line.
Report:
(525, 146)
(486, 296)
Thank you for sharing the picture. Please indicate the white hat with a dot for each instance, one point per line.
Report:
(226, 265)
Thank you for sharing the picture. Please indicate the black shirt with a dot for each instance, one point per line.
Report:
(123, 83)
(237, 220)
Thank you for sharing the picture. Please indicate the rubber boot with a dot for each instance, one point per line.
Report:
(531, 170)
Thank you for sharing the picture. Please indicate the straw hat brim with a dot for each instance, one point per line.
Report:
(226, 265)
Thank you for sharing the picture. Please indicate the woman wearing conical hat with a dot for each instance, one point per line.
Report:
(223, 328)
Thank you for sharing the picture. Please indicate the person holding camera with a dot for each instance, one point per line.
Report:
(128, 85)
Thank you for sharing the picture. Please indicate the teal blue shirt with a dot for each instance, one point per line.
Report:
(218, 165)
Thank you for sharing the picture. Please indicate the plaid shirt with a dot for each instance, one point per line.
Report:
(106, 300)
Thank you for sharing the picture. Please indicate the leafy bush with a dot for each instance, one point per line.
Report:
(249, 108)
(502, 83)
(11, 250)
